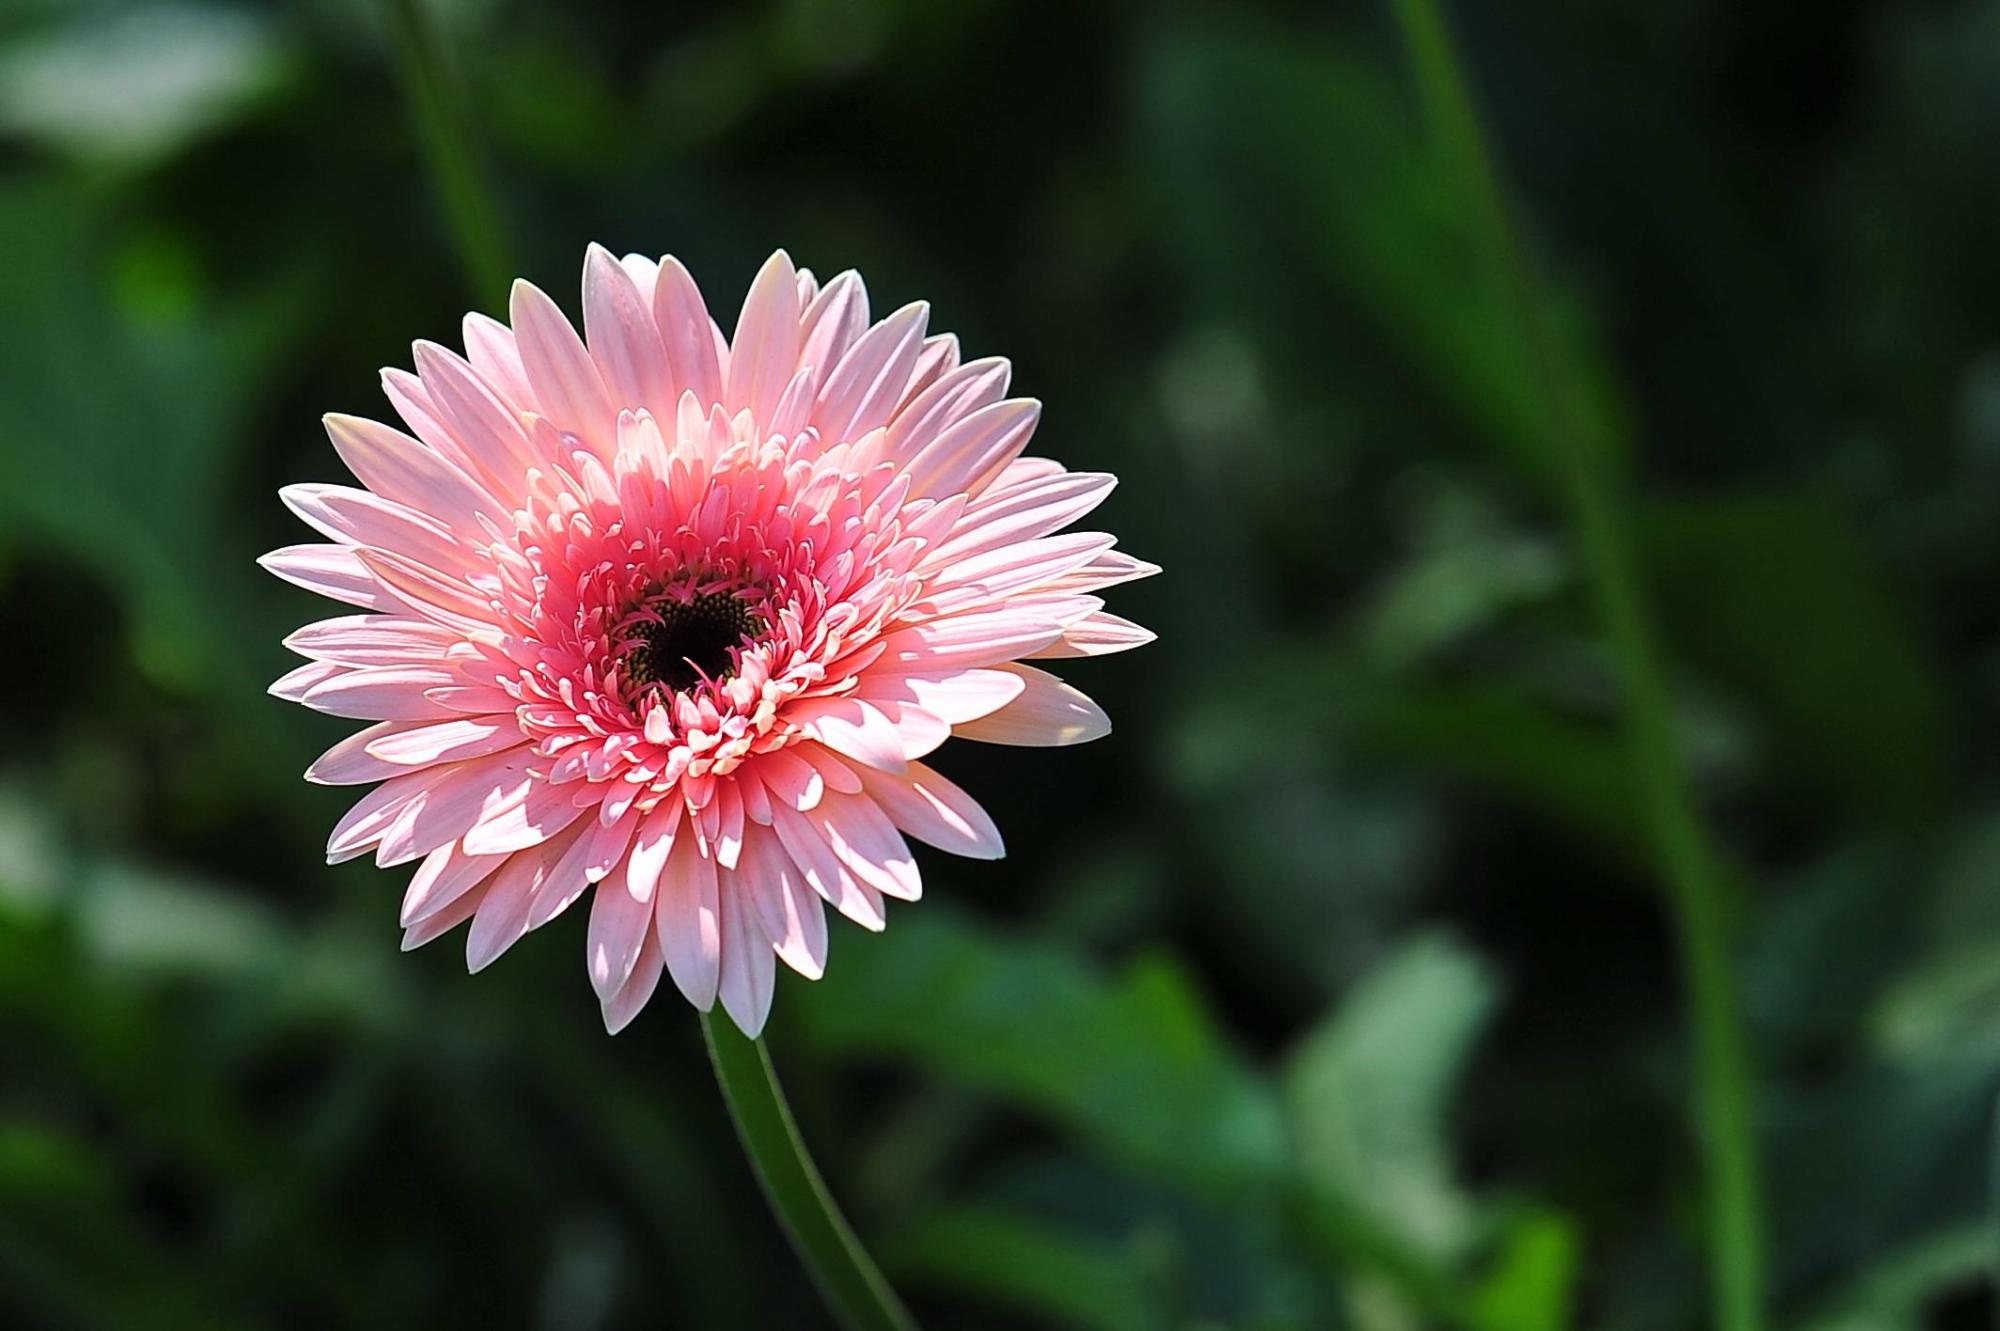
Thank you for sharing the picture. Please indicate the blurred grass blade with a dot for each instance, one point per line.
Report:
(847, 1277)
(439, 113)
(1594, 487)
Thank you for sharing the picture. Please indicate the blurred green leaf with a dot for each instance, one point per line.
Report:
(1775, 594)
(116, 435)
(1368, 1091)
(1357, 220)
(1531, 1284)
(70, 1248)
(1132, 1063)
(1573, 770)
(1894, 1292)
(134, 87)
(1071, 1279)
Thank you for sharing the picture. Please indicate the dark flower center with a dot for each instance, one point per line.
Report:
(689, 641)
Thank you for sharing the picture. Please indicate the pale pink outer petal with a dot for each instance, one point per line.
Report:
(687, 333)
(1098, 634)
(764, 354)
(837, 316)
(949, 400)
(863, 389)
(1048, 712)
(747, 975)
(933, 810)
(853, 728)
(868, 845)
(688, 921)
(824, 872)
(398, 467)
(372, 640)
(621, 336)
(966, 457)
(433, 927)
(490, 346)
(621, 910)
(335, 572)
(953, 697)
(447, 741)
(349, 763)
(639, 986)
(962, 642)
(446, 874)
(790, 913)
(508, 912)
(568, 388)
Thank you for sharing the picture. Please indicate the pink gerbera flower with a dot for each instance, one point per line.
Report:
(678, 616)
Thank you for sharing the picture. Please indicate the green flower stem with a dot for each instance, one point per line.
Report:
(847, 1277)
(1596, 490)
(439, 113)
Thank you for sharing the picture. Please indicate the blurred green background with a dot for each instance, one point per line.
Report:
(1335, 988)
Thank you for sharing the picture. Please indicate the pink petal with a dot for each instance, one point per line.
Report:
(688, 923)
(450, 799)
(948, 401)
(295, 683)
(971, 453)
(363, 825)
(490, 347)
(1022, 514)
(445, 920)
(621, 911)
(349, 763)
(542, 811)
(568, 389)
(332, 571)
(837, 316)
(999, 575)
(863, 390)
(381, 693)
(1048, 712)
(851, 728)
(618, 327)
(504, 917)
(983, 638)
(447, 741)
(764, 353)
(933, 810)
(356, 517)
(953, 697)
(823, 870)
(372, 640)
(478, 418)
(437, 596)
(747, 977)
(446, 874)
(1098, 634)
(397, 467)
(687, 334)
(868, 845)
(791, 780)
(639, 986)
(790, 913)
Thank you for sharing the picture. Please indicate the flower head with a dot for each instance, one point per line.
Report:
(672, 619)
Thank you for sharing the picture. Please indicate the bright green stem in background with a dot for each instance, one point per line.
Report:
(847, 1277)
(1595, 489)
(439, 114)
